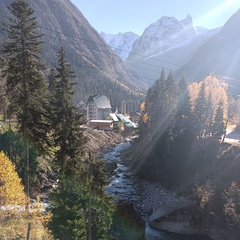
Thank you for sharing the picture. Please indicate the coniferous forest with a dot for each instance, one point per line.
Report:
(180, 145)
(45, 126)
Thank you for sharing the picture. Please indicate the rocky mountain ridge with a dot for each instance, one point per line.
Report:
(185, 49)
(97, 68)
(163, 34)
(168, 43)
(121, 43)
(219, 55)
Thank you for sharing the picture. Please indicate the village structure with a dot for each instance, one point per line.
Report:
(99, 114)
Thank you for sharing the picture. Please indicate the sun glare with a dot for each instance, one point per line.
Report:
(215, 15)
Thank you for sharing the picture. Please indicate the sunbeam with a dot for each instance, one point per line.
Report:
(217, 12)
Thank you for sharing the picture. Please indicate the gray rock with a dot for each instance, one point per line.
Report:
(110, 167)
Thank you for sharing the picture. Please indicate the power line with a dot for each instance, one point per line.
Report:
(147, 69)
(105, 45)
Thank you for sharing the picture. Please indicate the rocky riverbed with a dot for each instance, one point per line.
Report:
(146, 197)
(100, 142)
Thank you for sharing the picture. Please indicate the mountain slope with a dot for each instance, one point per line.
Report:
(98, 69)
(167, 43)
(219, 55)
(120, 43)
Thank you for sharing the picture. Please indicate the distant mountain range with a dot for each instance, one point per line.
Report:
(185, 49)
(220, 54)
(97, 68)
(121, 43)
(123, 66)
(167, 43)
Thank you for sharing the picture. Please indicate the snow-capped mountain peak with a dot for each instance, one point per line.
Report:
(163, 34)
(121, 43)
(187, 20)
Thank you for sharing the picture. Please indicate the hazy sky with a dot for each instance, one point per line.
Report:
(114, 16)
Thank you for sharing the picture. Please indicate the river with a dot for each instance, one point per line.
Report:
(122, 188)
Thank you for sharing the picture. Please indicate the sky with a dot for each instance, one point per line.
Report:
(115, 16)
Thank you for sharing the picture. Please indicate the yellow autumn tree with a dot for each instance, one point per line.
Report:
(11, 188)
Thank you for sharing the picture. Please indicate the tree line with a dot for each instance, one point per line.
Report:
(181, 145)
(45, 126)
(175, 115)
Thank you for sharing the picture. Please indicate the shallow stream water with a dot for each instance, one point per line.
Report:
(121, 188)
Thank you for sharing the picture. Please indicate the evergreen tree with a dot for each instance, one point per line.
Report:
(200, 112)
(209, 116)
(157, 104)
(67, 135)
(68, 215)
(13, 144)
(25, 85)
(218, 126)
(171, 90)
(182, 85)
(171, 96)
(161, 109)
(99, 208)
(82, 209)
(183, 129)
(51, 82)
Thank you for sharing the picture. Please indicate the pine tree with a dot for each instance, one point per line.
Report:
(182, 85)
(171, 90)
(209, 116)
(171, 96)
(183, 129)
(67, 135)
(25, 84)
(218, 126)
(200, 112)
(12, 144)
(82, 209)
(68, 215)
(157, 104)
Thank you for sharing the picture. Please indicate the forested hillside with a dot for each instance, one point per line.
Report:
(97, 68)
(44, 153)
(181, 145)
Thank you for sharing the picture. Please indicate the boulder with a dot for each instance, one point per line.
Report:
(110, 166)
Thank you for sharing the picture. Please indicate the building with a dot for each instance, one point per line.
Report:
(98, 107)
(130, 106)
(121, 122)
(117, 124)
(101, 124)
(127, 122)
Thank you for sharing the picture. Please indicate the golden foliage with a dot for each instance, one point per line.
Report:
(145, 117)
(11, 188)
(14, 226)
(232, 205)
(214, 90)
(142, 107)
(204, 193)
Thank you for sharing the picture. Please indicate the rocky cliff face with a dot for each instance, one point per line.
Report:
(163, 34)
(219, 55)
(97, 67)
(167, 43)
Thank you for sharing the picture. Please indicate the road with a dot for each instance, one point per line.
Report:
(233, 135)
